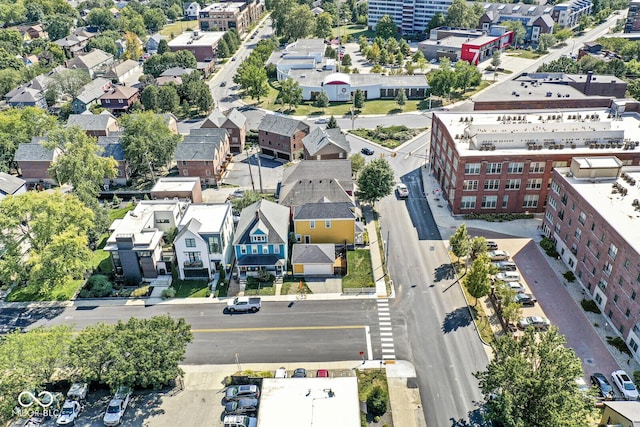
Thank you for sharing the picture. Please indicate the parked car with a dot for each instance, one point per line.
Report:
(536, 322)
(322, 373)
(69, 413)
(321, 121)
(525, 299)
(402, 190)
(78, 391)
(625, 385)
(491, 245)
(223, 84)
(299, 373)
(244, 406)
(516, 287)
(233, 59)
(239, 421)
(366, 151)
(505, 265)
(237, 194)
(36, 421)
(604, 387)
(117, 406)
(498, 255)
(236, 392)
(508, 276)
(250, 304)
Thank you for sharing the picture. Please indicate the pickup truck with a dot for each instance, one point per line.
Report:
(251, 304)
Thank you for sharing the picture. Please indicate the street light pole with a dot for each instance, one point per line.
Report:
(253, 186)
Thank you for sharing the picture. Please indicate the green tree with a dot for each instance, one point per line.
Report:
(562, 34)
(463, 15)
(248, 198)
(438, 20)
(154, 19)
(223, 49)
(466, 75)
(346, 60)
(20, 125)
(147, 141)
(324, 23)
(58, 26)
(375, 181)
(290, 93)
(132, 21)
(546, 41)
(634, 88)
(401, 97)
(459, 242)
(11, 41)
(442, 80)
(478, 247)
(358, 99)
(386, 28)
(333, 124)
(357, 163)
(68, 83)
(104, 43)
(300, 23)
(198, 95)
(149, 98)
(169, 100)
(134, 47)
(163, 47)
(253, 79)
(405, 49)
(477, 281)
(102, 18)
(280, 13)
(584, 22)
(377, 401)
(174, 12)
(519, 32)
(322, 100)
(532, 382)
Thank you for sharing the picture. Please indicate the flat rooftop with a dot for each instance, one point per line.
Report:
(223, 7)
(580, 132)
(204, 38)
(210, 215)
(302, 402)
(175, 185)
(451, 41)
(615, 208)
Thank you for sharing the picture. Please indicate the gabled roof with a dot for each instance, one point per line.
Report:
(216, 135)
(155, 37)
(281, 125)
(324, 210)
(27, 96)
(195, 151)
(339, 170)
(176, 71)
(319, 253)
(116, 71)
(9, 184)
(112, 147)
(215, 119)
(34, 152)
(120, 92)
(237, 118)
(305, 191)
(320, 138)
(93, 90)
(92, 122)
(274, 217)
(89, 60)
(193, 226)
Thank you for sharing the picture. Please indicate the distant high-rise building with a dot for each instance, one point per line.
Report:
(411, 16)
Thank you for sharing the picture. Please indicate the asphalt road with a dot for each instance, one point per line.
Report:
(300, 331)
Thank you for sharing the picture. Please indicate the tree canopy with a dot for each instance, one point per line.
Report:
(459, 241)
(477, 280)
(290, 93)
(386, 28)
(464, 15)
(375, 181)
(19, 125)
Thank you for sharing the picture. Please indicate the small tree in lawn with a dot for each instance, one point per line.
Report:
(477, 280)
(322, 100)
(358, 99)
(495, 63)
(333, 124)
(478, 246)
(375, 181)
(401, 98)
(459, 242)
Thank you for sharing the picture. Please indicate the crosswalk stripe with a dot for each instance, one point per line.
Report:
(388, 350)
(386, 334)
(386, 328)
(389, 356)
(385, 323)
(387, 344)
(386, 339)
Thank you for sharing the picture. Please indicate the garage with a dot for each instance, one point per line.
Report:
(267, 152)
(284, 156)
(313, 259)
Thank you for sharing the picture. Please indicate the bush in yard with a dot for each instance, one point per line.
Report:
(549, 247)
(265, 276)
(619, 343)
(168, 293)
(142, 291)
(97, 286)
(590, 305)
(569, 276)
(377, 401)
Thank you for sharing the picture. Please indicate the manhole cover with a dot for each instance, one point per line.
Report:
(412, 383)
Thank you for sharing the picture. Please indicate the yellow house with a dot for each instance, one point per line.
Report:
(327, 222)
(621, 414)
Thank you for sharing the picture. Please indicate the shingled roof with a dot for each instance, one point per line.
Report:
(281, 125)
(320, 138)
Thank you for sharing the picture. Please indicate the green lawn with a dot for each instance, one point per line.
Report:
(178, 28)
(190, 288)
(31, 292)
(522, 53)
(260, 288)
(353, 32)
(359, 272)
(119, 213)
(390, 136)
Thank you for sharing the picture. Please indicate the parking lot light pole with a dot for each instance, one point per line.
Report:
(238, 362)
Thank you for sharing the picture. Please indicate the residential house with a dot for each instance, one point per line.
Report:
(323, 144)
(327, 222)
(31, 32)
(203, 153)
(204, 240)
(313, 181)
(95, 62)
(34, 162)
(261, 240)
(30, 60)
(281, 137)
(124, 72)
(176, 72)
(102, 124)
(192, 10)
(151, 46)
(235, 125)
(178, 187)
(28, 97)
(112, 147)
(620, 413)
(90, 94)
(162, 81)
(137, 241)
(11, 185)
(119, 99)
(76, 43)
(313, 259)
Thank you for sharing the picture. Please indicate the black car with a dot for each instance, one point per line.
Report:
(492, 246)
(299, 373)
(367, 151)
(600, 381)
(525, 300)
(223, 84)
(247, 405)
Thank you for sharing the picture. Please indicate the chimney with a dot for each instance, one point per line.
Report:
(587, 84)
(257, 214)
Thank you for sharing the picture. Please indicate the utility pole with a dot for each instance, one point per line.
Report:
(250, 173)
(259, 168)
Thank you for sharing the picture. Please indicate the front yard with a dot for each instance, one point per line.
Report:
(359, 272)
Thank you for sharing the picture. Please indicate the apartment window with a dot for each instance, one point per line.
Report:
(607, 268)
(602, 237)
(468, 202)
(564, 199)
(512, 184)
(243, 250)
(613, 251)
(633, 345)
(515, 167)
(561, 214)
(327, 224)
(553, 203)
(578, 233)
(472, 169)
(593, 226)
(633, 295)
(190, 243)
(621, 281)
(534, 184)
(627, 263)
(192, 257)
(492, 184)
(598, 255)
(494, 168)
(489, 202)
(536, 167)
(582, 218)
(312, 224)
(615, 298)
(549, 216)
(505, 201)
(602, 284)
(588, 243)
(530, 201)
(555, 187)
(598, 298)
(470, 185)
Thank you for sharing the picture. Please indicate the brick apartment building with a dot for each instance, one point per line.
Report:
(281, 136)
(503, 162)
(592, 215)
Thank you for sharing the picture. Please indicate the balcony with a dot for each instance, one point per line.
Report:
(192, 264)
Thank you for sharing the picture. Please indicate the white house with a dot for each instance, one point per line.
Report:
(204, 240)
(191, 10)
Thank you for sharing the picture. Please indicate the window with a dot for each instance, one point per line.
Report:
(607, 268)
(536, 167)
(578, 233)
(327, 224)
(621, 281)
(555, 187)
(615, 298)
(258, 238)
(627, 263)
(553, 203)
(312, 224)
(254, 249)
(276, 248)
(602, 284)
(633, 345)
(505, 201)
(561, 214)
(265, 249)
(549, 216)
(192, 256)
(633, 295)
(494, 168)
(489, 202)
(469, 185)
(588, 243)
(515, 168)
(593, 226)
(207, 172)
(530, 201)
(598, 298)
(492, 184)
(564, 199)
(185, 172)
(512, 184)
(534, 184)
(559, 164)
(468, 202)
(582, 218)
(214, 245)
(190, 243)
(472, 169)
(243, 250)
(613, 251)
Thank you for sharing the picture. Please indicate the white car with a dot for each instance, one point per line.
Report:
(321, 121)
(625, 385)
(498, 255)
(117, 406)
(536, 322)
(508, 276)
(69, 413)
(516, 286)
(403, 191)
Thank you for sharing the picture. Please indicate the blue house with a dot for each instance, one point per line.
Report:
(261, 241)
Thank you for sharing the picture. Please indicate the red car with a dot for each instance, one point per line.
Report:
(322, 373)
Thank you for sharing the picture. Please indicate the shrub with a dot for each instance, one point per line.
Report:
(98, 286)
(265, 276)
(549, 247)
(142, 291)
(168, 293)
(377, 401)
(590, 305)
(619, 343)
(221, 272)
(116, 201)
(569, 276)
